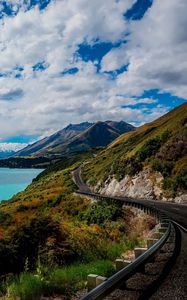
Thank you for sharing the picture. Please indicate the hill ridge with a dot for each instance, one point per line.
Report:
(148, 162)
(62, 141)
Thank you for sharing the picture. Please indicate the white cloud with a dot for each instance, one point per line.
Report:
(155, 52)
(115, 59)
(53, 35)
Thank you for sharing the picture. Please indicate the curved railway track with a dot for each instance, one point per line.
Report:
(175, 219)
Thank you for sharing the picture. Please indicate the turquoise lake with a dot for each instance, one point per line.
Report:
(13, 181)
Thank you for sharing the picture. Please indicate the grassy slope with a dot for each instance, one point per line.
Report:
(127, 147)
(46, 228)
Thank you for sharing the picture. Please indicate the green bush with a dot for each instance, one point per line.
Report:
(149, 148)
(73, 206)
(165, 136)
(92, 181)
(122, 167)
(118, 168)
(133, 166)
(164, 167)
(175, 183)
(21, 208)
(181, 180)
(101, 212)
(51, 202)
(115, 250)
(31, 239)
(5, 218)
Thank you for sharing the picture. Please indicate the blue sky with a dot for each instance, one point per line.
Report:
(69, 61)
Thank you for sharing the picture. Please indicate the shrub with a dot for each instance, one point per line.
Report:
(181, 180)
(115, 250)
(92, 181)
(101, 212)
(133, 166)
(5, 218)
(29, 240)
(149, 148)
(173, 150)
(164, 167)
(74, 205)
(118, 168)
(129, 166)
(21, 208)
(178, 182)
(53, 202)
(165, 136)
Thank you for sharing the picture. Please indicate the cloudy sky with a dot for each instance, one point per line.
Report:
(69, 61)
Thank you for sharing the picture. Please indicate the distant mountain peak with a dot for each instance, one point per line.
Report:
(77, 138)
(78, 127)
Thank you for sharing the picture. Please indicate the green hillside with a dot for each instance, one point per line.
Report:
(51, 239)
(49, 235)
(161, 145)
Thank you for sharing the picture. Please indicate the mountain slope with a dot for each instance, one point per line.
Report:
(98, 135)
(77, 138)
(121, 126)
(59, 137)
(149, 162)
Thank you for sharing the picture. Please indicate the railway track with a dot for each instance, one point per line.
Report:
(145, 274)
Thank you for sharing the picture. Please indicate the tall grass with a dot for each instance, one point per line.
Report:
(64, 280)
(27, 287)
(74, 277)
(114, 250)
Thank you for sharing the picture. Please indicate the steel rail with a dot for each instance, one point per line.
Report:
(119, 278)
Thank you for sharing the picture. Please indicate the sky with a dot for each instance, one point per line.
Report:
(70, 61)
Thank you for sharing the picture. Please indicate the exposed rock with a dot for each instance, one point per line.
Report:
(181, 199)
(145, 184)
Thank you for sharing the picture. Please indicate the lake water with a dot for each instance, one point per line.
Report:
(13, 181)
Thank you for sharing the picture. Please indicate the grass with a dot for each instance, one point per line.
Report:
(74, 277)
(27, 287)
(116, 250)
(63, 280)
(66, 280)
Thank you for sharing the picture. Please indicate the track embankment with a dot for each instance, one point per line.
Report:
(174, 285)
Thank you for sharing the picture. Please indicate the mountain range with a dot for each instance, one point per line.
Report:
(77, 138)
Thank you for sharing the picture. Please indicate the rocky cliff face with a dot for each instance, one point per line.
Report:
(146, 184)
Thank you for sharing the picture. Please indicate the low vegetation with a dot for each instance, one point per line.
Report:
(50, 239)
(66, 280)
